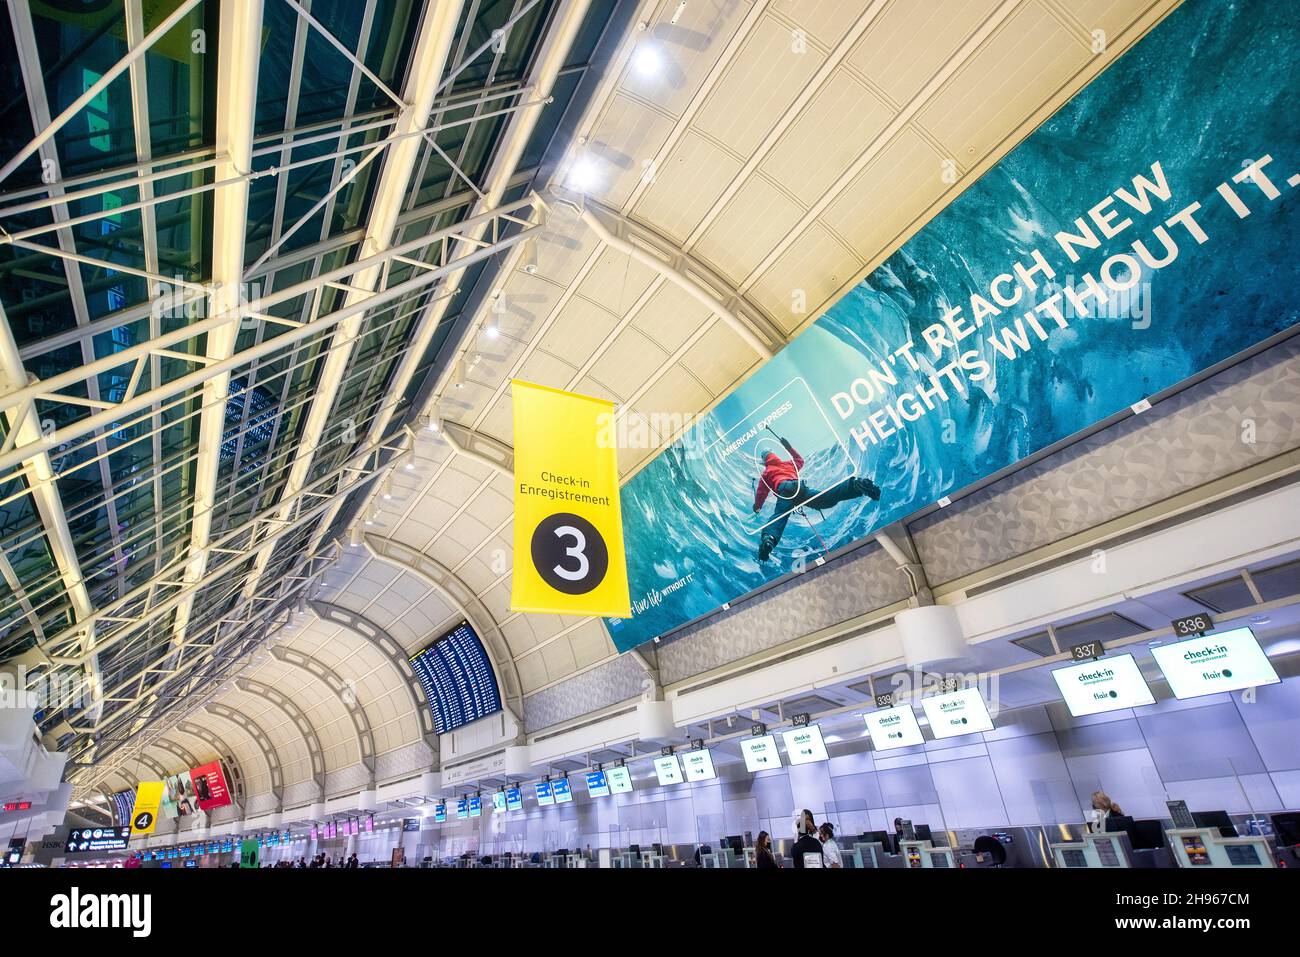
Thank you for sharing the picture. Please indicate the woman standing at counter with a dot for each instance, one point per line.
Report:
(1102, 808)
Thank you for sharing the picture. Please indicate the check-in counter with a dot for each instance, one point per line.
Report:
(870, 855)
(1206, 847)
(1095, 850)
(924, 855)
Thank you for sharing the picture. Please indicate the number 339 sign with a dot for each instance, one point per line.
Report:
(568, 522)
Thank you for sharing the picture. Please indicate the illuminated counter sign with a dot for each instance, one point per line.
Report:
(457, 678)
(760, 753)
(476, 807)
(1223, 661)
(514, 800)
(544, 796)
(669, 771)
(894, 727)
(620, 780)
(462, 809)
(956, 713)
(560, 788)
(698, 765)
(499, 801)
(804, 745)
(1107, 684)
(597, 786)
(440, 813)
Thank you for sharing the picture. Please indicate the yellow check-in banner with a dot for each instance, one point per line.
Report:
(148, 798)
(568, 522)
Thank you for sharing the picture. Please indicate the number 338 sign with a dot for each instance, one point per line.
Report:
(568, 522)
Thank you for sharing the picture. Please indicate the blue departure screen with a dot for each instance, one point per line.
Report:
(514, 800)
(457, 679)
(560, 789)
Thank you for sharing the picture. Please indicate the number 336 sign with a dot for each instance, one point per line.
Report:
(568, 523)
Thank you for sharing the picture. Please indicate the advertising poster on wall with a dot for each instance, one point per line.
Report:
(178, 796)
(1116, 252)
(208, 782)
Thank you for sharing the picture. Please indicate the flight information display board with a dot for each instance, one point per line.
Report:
(123, 802)
(457, 678)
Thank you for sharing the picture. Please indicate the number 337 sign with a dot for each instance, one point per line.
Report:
(568, 522)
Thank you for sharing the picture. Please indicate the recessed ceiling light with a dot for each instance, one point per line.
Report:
(584, 175)
(647, 60)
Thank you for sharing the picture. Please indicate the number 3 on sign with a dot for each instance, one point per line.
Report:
(569, 553)
(584, 566)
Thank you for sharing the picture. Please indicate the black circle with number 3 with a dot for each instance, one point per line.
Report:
(569, 553)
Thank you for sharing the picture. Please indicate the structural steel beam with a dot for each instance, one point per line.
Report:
(188, 759)
(263, 742)
(297, 716)
(239, 43)
(344, 692)
(427, 65)
(550, 61)
(660, 254)
(483, 449)
(465, 601)
(388, 646)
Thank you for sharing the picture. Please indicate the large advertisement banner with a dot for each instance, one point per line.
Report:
(1143, 234)
(178, 796)
(209, 781)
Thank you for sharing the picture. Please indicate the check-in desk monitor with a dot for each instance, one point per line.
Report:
(1111, 849)
(924, 855)
(1206, 847)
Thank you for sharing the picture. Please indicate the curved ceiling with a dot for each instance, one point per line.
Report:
(772, 152)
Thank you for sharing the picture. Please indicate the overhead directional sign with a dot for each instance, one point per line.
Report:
(568, 521)
(148, 799)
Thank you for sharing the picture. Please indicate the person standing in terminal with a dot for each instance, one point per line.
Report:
(830, 850)
(807, 843)
(764, 859)
(782, 478)
(1102, 808)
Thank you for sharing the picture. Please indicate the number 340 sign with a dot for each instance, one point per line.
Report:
(568, 523)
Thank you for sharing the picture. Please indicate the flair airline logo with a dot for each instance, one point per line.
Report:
(1210, 654)
(77, 910)
(1101, 675)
